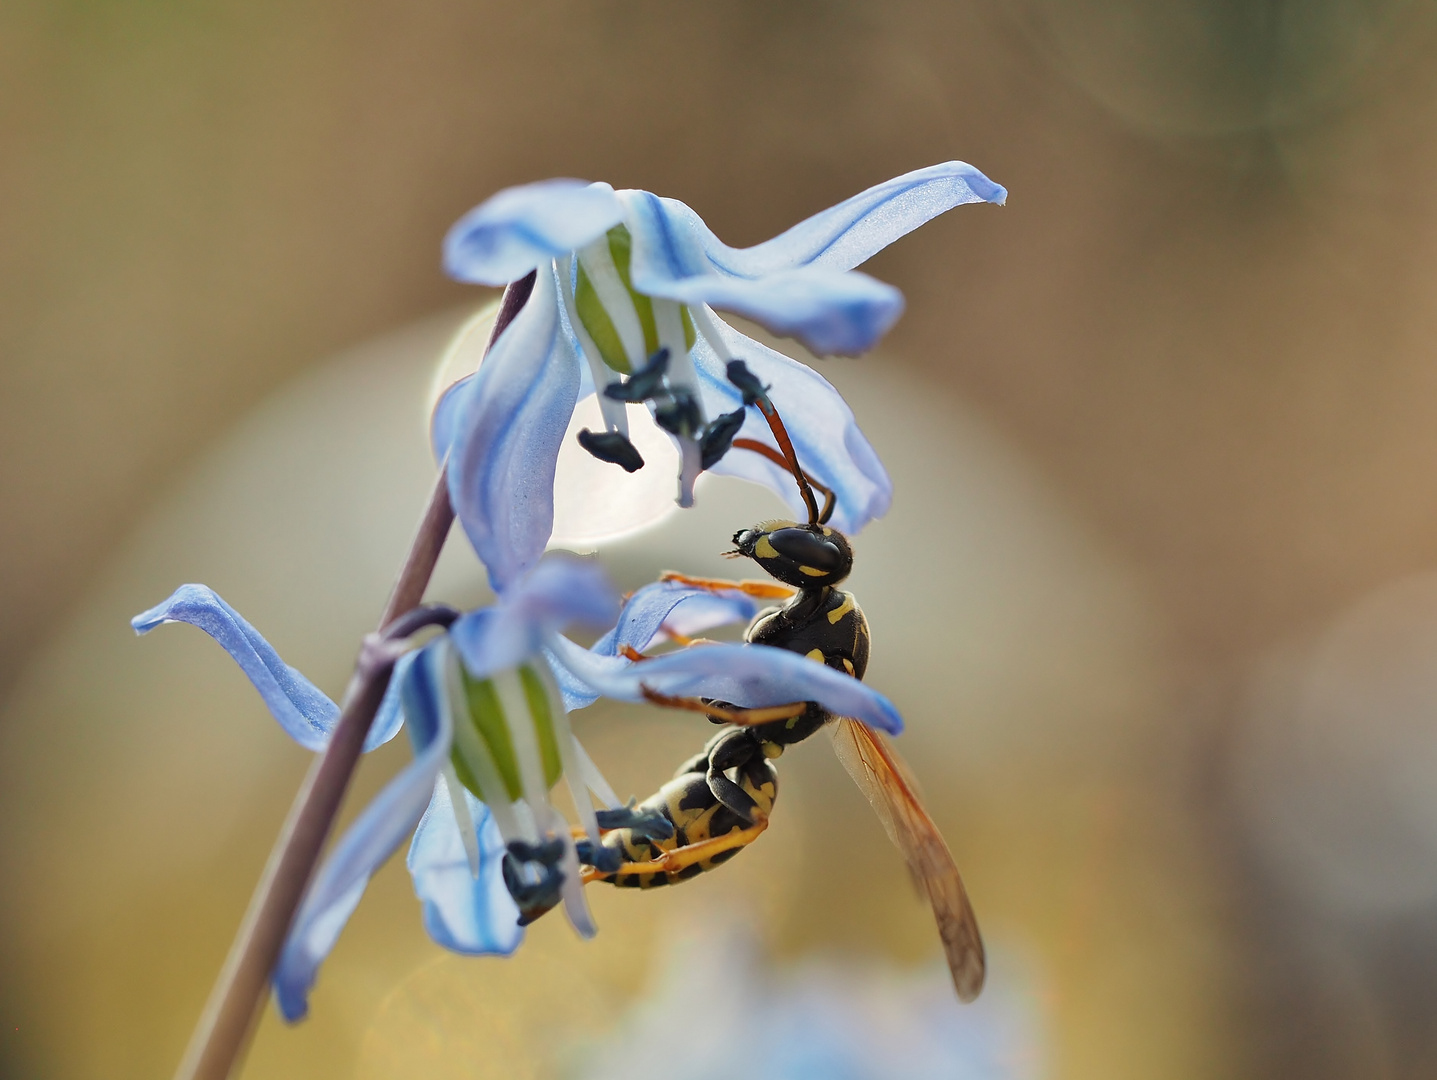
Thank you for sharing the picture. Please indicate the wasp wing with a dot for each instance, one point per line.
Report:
(885, 780)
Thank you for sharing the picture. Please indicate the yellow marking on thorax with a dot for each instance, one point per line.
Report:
(842, 609)
(811, 572)
(814, 654)
(848, 665)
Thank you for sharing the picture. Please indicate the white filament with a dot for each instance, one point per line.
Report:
(522, 736)
(690, 465)
(615, 413)
(594, 778)
(669, 321)
(463, 818)
(598, 263)
(564, 736)
(706, 323)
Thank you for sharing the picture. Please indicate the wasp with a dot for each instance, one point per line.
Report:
(720, 800)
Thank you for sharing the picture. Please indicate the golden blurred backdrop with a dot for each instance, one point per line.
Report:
(1162, 425)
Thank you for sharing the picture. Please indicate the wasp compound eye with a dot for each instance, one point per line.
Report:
(808, 549)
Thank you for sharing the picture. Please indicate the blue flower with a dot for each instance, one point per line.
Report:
(623, 303)
(486, 707)
(484, 715)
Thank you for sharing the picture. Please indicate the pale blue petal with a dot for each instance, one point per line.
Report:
(681, 608)
(560, 591)
(448, 412)
(704, 610)
(469, 915)
(672, 242)
(506, 424)
(825, 435)
(511, 233)
(746, 675)
(374, 836)
(829, 311)
(390, 717)
(662, 605)
(302, 709)
(305, 712)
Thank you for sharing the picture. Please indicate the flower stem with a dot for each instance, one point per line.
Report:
(224, 1028)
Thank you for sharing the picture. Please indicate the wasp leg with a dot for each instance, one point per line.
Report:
(670, 862)
(698, 763)
(604, 860)
(681, 639)
(733, 715)
(732, 750)
(759, 590)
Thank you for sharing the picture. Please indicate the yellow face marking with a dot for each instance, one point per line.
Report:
(842, 609)
(764, 550)
(811, 572)
(772, 749)
(814, 654)
(848, 665)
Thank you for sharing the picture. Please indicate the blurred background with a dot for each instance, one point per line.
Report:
(1163, 426)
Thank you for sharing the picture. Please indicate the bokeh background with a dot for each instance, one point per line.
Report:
(1157, 594)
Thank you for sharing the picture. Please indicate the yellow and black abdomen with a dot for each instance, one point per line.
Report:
(696, 815)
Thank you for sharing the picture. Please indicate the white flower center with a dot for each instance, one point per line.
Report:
(512, 742)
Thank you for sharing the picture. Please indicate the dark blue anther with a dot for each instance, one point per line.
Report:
(549, 852)
(754, 392)
(719, 436)
(613, 447)
(680, 415)
(644, 384)
(532, 876)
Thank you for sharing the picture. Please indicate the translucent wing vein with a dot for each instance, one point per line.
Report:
(885, 780)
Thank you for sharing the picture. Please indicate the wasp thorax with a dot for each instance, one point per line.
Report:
(806, 556)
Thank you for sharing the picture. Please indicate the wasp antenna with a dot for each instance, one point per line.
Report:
(755, 393)
(829, 499)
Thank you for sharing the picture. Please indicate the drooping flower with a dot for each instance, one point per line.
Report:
(486, 705)
(623, 304)
(502, 734)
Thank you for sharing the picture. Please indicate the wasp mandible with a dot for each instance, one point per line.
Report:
(720, 800)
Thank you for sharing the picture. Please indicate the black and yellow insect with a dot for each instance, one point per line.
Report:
(720, 800)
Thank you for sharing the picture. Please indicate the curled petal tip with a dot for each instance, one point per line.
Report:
(511, 233)
(305, 713)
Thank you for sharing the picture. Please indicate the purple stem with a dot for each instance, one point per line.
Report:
(224, 1028)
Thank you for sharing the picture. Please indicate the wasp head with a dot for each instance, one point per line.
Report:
(805, 556)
